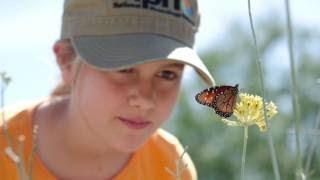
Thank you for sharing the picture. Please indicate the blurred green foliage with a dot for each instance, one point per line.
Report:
(215, 148)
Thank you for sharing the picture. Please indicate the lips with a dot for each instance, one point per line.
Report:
(135, 123)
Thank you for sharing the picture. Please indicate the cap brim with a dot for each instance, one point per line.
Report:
(120, 51)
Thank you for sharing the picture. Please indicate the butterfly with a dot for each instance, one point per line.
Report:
(221, 98)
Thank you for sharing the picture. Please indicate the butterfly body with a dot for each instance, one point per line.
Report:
(221, 98)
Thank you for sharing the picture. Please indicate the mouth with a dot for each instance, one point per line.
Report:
(135, 123)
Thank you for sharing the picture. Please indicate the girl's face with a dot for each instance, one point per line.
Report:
(123, 108)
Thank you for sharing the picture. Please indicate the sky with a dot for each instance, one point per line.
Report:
(28, 29)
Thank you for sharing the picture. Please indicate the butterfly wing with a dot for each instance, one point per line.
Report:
(206, 97)
(225, 100)
(221, 98)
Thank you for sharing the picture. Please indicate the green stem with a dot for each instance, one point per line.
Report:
(262, 87)
(312, 147)
(295, 101)
(244, 151)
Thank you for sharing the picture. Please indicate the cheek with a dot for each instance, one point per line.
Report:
(97, 98)
(166, 103)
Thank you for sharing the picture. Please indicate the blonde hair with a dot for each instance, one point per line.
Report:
(62, 88)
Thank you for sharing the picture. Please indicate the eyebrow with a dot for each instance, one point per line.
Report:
(178, 65)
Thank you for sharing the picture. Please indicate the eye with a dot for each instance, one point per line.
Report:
(127, 70)
(168, 75)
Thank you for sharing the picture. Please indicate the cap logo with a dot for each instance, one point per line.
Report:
(178, 8)
(186, 8)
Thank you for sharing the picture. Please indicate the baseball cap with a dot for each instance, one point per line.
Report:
(114, 34)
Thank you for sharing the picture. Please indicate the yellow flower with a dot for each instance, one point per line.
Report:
(249, 111)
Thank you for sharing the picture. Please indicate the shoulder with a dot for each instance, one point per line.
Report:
(9, 115)
(169, 147)
(165, 137)
(17, 119)
(165, 143)
(12, 114)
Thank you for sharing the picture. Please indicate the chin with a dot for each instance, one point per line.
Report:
(131, 145)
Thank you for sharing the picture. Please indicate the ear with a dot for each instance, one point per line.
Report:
(65, 54)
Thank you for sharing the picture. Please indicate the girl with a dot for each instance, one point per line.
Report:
(121, 65)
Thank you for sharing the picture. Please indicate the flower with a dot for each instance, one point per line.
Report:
(5, 78)
(4, 81)
(249, 111)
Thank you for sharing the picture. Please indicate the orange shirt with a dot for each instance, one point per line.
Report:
(160, 151)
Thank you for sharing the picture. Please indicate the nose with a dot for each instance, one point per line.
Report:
(142, 95)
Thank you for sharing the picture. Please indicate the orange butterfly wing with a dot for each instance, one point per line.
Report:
(206, 97)
(221, 98)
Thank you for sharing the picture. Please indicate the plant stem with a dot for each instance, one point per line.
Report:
(295, 100)
(4, 123)
(33, 149)
(262, 87)
(312, 146)
(21, 163)
(244, 151)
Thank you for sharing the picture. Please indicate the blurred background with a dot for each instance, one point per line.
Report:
(29, 29)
